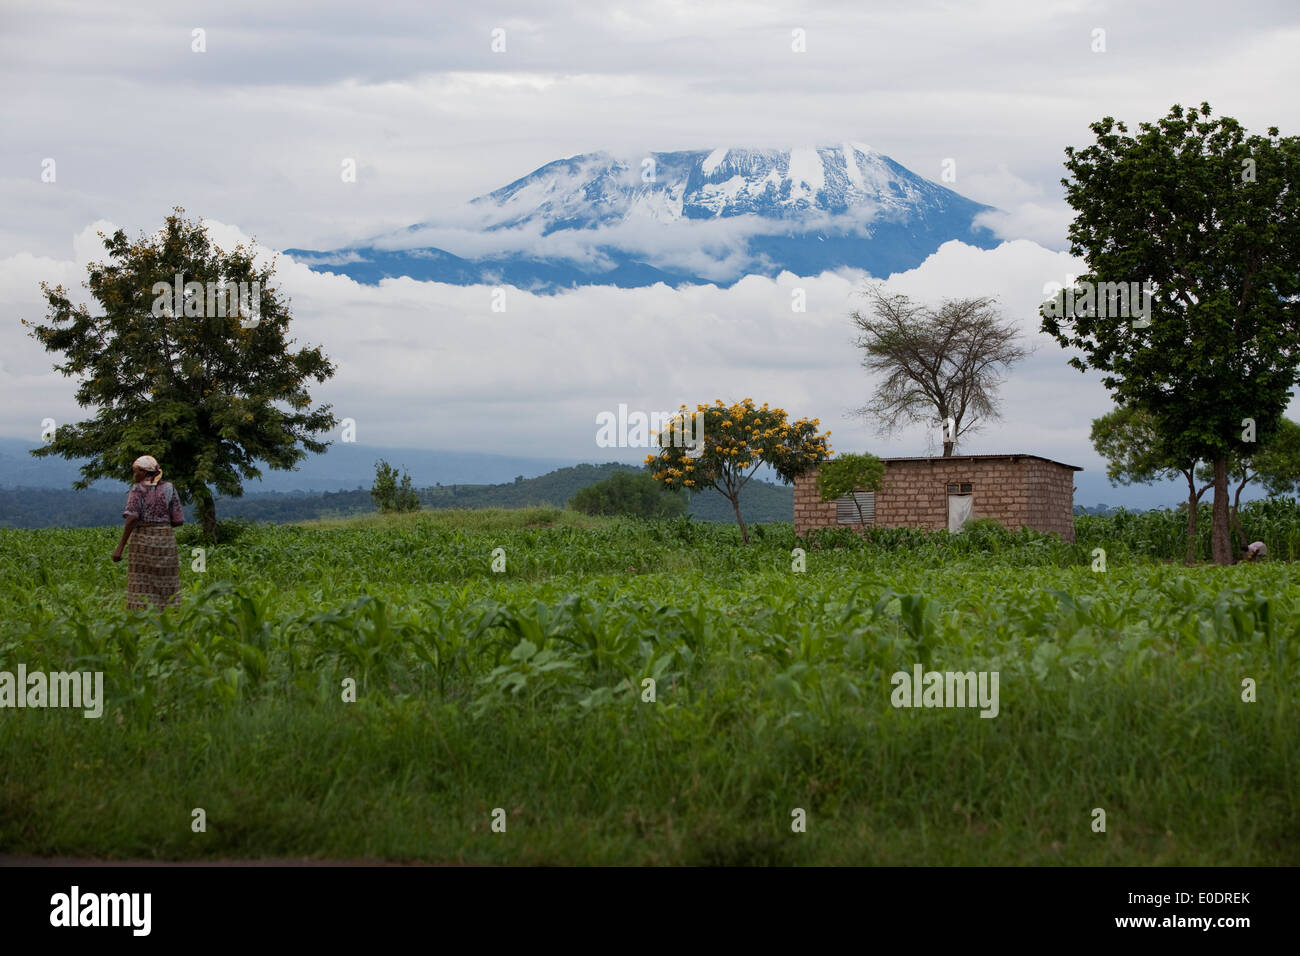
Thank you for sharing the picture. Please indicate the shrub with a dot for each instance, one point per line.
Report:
(629, 493)
(388, 494)
(846, 474)
(228, 530)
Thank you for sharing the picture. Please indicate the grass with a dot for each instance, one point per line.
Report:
(477, 519)
(522, 691)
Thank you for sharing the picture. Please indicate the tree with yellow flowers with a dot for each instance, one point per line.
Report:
(736, 440)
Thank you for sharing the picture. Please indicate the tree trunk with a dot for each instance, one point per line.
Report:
(947, 449)
(1221, 539)
(1193, 502)
(1236, 522)
(206, 511)
(744, 533)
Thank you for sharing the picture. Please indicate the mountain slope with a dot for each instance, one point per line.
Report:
(681, 217)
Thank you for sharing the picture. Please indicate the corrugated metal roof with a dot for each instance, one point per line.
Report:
(1012, 456)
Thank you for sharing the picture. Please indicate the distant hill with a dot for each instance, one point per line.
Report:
(761, 501)
(59, 507)
(343, 467)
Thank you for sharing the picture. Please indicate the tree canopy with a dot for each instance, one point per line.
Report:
(1209, 217)
(939, 363)
(737, 440)
(1134, 450)
(187, 358)
(845, 474)
(390, 495)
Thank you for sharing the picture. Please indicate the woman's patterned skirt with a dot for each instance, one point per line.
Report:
(154, 575)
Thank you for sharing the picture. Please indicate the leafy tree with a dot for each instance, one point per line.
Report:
(737, 440)
(845, 474)
(1127, 437)
(407, 497)
(630, 493)
(207, 385)
(384, 490)
(1210, 217)
(1131, 444)
(942, 361)
(1275, 464)
(390, 496)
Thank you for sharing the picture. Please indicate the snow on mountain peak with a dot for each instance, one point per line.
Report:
(713, 161)
(601, 217)
(851, 166)
(600, 189)
(805, 167)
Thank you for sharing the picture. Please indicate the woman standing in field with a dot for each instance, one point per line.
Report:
(152, 509)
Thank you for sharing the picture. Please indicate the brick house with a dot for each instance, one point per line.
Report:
(942, 493)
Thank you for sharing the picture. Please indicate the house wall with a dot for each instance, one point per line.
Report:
(913, 494)
(809, 509)
(1051, 498)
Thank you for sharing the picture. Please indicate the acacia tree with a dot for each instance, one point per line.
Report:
(845, 474)
(1210, 217)
(941, 361)
(737, 440)
(204, 382)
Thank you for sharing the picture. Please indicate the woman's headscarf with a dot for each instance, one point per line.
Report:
(149, 464)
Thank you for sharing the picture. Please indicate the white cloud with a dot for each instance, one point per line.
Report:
(1046, 224)
(254, 133)
(426, 365)
(429, 365)
(413, 93)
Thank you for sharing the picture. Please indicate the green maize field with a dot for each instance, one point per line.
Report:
(523, 691)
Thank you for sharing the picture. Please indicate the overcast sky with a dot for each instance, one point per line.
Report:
(251, 135)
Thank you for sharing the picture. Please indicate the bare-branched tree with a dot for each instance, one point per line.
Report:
(940, 362)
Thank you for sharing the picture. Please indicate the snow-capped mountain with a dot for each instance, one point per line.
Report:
(599, 189)
(695, 216)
